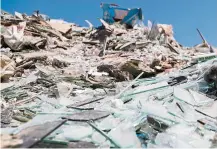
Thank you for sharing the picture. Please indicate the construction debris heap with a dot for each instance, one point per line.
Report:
(63, 85)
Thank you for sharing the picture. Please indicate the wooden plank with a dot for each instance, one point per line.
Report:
(172, 48)
(204, 40)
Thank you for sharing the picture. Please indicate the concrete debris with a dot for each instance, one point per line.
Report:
(13, 35)
(61, 27)
(112, 85)
(7, 68)
(10, 141)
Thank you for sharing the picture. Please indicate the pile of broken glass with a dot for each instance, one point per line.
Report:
(176, 110)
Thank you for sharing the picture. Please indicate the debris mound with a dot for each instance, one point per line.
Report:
(123, 84)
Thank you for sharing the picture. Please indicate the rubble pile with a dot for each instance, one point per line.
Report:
(63, 85)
